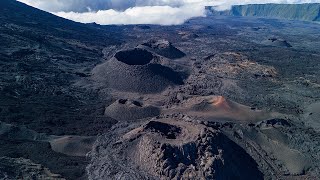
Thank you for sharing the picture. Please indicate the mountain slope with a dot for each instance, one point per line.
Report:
(304, 12)
(42, 56)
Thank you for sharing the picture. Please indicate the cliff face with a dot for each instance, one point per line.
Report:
(304, 12)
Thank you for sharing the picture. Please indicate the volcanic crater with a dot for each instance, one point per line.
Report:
(164, 48)
(124, 109)
(134, 57)
(135, 70)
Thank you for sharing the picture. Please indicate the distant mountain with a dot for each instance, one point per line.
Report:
(303, 12)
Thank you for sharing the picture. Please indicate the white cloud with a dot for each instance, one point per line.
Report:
(164, 15)
(83, 5)
(164, 12)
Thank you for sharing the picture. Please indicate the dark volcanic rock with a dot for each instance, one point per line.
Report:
(46, 64)
(171, 149)
(167, 130)
(41, 153)
(124, 109)
(144, 27)
(41, 57)
(188, 35)
(136, 57)
(163, 48)
(20, 168)
(133, 71)
(277, 42)
(274, 122)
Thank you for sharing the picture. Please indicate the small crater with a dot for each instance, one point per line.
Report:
(278, 42)
(137, 103)
(122, 101)
(275, 122)
(134, 57)
(167, 130)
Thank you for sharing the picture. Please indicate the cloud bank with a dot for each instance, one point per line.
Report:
(163, 12)
(163, 15)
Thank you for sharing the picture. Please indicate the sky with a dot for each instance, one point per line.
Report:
(163, 12)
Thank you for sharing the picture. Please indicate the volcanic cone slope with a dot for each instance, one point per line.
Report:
(172, 149)
(124, 109)
(163, 48)
(277, 42)
(218, 108)
(135, 71)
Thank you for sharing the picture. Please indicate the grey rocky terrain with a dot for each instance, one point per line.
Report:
(217, 97)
